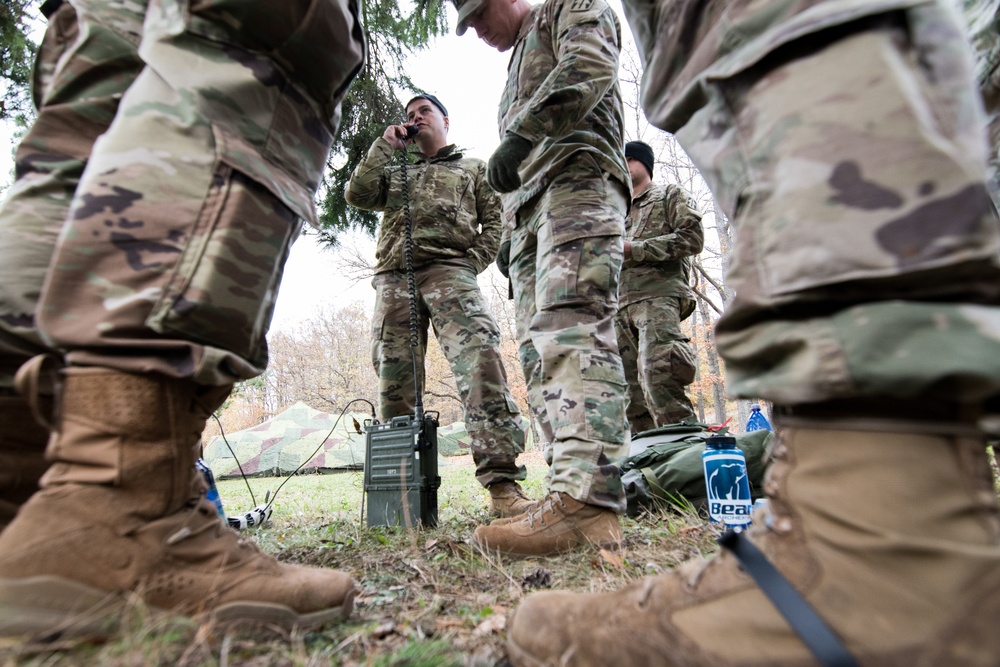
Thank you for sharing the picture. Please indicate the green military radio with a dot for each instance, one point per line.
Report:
(401, 472)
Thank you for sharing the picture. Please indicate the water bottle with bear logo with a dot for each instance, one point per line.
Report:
(726, 482)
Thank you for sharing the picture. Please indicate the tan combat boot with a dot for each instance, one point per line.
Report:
(554, 524)
(507, 499)
(892, 538)
(122, 511)
(22, 455)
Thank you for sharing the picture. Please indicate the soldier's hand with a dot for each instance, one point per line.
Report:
(501, 173)
(503, 259)
(396, 136)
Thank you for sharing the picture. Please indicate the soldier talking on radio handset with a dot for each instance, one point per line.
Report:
(455, 218)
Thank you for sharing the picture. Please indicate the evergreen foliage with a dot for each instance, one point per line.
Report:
(17, 55)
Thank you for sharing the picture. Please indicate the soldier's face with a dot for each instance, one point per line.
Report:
(637, 171)
(428, 118)
(497, 23)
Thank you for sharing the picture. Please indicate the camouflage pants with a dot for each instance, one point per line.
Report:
(983, 17)
(449, 300)
(565, 260)
(158, 230)
(866, 260)
(76, 100)
(659, 362)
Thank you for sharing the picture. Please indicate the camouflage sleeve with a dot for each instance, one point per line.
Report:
(586, 41)
(484, 249)
(368, 188)
(686, 236)
(683, 43)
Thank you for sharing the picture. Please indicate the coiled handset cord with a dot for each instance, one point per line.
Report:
(411, 287)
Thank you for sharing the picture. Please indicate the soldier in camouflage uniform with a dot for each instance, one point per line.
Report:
(176, 153)
(845, 140)
(455, 218)
(561, 167)
(662, 230)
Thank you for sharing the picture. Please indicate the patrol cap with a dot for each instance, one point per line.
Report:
(466, 8)
(641, 151)
(430, 98)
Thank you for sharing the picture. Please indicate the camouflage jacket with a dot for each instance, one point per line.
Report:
(664, 227)
(454, 212)
(562, 93)
(982, 17)
(683, 43)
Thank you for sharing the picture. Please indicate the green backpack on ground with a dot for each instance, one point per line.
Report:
(665, 468)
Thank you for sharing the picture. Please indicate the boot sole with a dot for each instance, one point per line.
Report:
(276, 614)
(580, 543)
(520, 657)
(46, 608)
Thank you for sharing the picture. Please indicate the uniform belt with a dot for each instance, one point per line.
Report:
(49, 7)
(915, 410)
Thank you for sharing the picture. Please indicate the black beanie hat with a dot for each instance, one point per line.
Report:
(640, 151)
(430, 98)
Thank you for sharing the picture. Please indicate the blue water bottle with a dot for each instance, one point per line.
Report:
(757, 421)
(726, 482)
(213, 491)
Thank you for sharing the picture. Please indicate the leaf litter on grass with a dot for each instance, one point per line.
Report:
(426, 596)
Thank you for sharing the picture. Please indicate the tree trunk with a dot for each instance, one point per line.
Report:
(718, 391)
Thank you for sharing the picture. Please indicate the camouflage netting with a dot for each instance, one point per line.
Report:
(281, 444)
(284, 442)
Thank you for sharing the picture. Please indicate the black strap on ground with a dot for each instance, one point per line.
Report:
(825, 646)
(49, 7)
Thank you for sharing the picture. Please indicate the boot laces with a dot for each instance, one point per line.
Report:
(537, 512)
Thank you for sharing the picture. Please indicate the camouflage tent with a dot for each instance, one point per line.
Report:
(288, 440)
(453, 440)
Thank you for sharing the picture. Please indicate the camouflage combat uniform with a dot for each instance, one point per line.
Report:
(849, 282)
(983, 17)
(566, 225)
(161, 243)
(455, 218)
(664, 227)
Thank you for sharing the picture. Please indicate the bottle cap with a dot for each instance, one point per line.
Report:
(755, 406)
(720, 442)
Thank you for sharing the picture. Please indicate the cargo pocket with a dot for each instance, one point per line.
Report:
(604, 394)
(560, 275)
(378, 321)
(271, 79)
(223, 288)
(480, 321)
(683, 362)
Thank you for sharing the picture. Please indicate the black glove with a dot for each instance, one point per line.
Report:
(503, 259)
(501, 173)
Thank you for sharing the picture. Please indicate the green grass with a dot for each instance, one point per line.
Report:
(427, 596)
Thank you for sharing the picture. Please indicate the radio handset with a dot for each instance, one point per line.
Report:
(411, 131)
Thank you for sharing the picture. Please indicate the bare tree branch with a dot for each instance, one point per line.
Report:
(707, 300)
